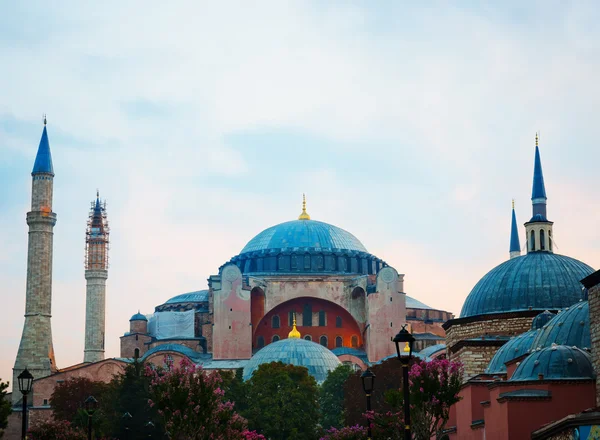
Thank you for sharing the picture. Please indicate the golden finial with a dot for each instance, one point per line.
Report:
(304, 215)
(536, 138)
(45, 119)
(97, 193)
(513, 203)
(294, 334)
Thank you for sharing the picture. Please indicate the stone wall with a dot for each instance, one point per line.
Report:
(130, 342)
(497, 325)
(475, 359)
(594, 300)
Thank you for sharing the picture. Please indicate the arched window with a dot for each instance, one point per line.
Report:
(291, 314)
(307, 315)
(323, 341)
(550, 240)
(339, 342)
(338, 322)
(322, 318)
(354, 341)
(260, 342)
(168, 361)
(532, 241)
(136, 353)
(275, 338)
(542, 240)
(275, 321)
(308, 337)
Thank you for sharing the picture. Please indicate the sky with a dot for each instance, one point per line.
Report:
(202, 123)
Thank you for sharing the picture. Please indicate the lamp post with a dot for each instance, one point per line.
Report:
(91, 404)
(404, 345)
(150, 427)
(25, 384)
(126, 419)
(368, 382)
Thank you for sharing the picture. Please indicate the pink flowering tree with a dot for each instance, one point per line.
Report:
(190, 403)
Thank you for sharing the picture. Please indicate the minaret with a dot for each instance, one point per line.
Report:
(539, 228)
(515, 245)
(96, 273)
(36, 352)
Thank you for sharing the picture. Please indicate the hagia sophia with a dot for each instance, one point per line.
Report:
(309, 293)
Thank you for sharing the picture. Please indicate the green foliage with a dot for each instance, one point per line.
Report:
(55, 430)
(235, 388)
(331, 397)
(5, 407)
(68, 397)
(129, 393)
(282, 402)
(190, 403)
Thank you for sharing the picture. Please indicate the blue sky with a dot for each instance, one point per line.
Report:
(202, 124)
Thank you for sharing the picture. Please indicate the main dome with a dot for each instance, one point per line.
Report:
(304, 234)
(536, 281)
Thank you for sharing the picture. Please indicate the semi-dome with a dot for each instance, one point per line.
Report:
(318, 359)
(558, 362)
(570, 327)
(542, 319)
(304, 234)
(536, 281)
(190, 297)
(514, 348)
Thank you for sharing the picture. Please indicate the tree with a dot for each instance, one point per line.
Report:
(282, 402)
(190, 404)
(234, 388)
(55, 430)
(69, 396)
(331, 397)
(5, 407)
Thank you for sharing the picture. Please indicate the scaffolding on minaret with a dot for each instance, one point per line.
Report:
(97, 243)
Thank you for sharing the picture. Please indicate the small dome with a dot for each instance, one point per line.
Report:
(515, 347)
(536, 281)
(570, 327)
(138, 317)
(538, 218)
(555, 363)
(304, 234)
(318, 359)
(541, 320)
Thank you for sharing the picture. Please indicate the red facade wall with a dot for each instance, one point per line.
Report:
(332, 311)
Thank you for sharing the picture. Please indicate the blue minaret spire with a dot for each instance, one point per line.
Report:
(538, 192)
(515, 245)
(43, 159)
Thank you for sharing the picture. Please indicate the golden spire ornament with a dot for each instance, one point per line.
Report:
(304, 215)
(294, 334)
(536, 139)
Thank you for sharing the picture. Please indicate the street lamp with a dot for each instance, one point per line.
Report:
(126, 419)
(368, 383)
(150, 427)
(91, 404)
(404, 345)
(25, 384)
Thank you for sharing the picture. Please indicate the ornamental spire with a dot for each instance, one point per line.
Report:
(43, 159)
(538, 192)
(304, 215)
(515, 245)
(294, 334)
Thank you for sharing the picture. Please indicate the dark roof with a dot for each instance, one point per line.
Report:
(43, 159)
(558, 362)
(542, 319)
(193, 297)
(539, 189)
(535, 281)
(514, 348)
(515, 245)
(569, 327)
(304, 234)
(138, 317)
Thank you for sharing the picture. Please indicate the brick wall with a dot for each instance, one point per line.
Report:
(594, 300)
(475, 359)
(130, 342)
(497, 326)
